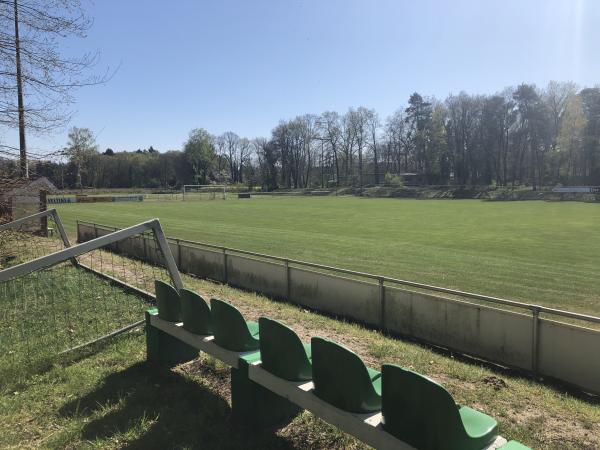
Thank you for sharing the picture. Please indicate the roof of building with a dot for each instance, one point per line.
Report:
(19, 186)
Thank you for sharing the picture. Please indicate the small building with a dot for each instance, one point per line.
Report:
(20, 197)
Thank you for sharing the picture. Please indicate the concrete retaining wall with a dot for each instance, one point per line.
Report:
(569, 353)
(344, 297)
(490, 333)
(564, 352)
(260, 276)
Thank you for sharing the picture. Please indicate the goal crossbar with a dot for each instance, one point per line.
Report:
(188, 189)
(79, 249)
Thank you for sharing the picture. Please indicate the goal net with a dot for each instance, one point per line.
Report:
(56, 298)
(204, 192)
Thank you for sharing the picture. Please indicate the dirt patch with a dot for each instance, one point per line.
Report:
(495, 383)
(214, 376)
(558, 431)
(305, 432)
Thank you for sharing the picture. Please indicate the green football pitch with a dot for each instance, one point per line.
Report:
(537, 252)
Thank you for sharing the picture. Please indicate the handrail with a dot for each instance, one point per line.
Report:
(535, 308)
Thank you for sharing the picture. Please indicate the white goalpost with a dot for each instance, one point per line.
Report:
(56, 298)
(204, 191)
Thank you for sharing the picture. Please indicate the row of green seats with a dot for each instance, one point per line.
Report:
(415, 409)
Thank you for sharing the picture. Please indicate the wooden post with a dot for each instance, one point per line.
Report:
(42, 208)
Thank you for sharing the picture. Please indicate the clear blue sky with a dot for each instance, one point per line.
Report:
(244, 65)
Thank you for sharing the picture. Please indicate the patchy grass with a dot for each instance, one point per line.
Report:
(111, 399)
(48, 311)
(537, 252)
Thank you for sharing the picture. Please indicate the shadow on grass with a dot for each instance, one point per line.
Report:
(163, 409)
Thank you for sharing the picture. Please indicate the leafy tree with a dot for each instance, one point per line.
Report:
(418, 116)
(80, 148)
(199, 150)
(533, 120)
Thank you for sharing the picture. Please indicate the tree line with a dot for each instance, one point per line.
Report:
(520, 136)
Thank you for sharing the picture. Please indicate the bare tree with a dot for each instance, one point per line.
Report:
(348, 140)
(358, 120)
(36, 79)
(244, 148)
(330, 127)
(231, 143)
(373, 124)
(571, 136)
(399, 141)
(267, 157)
(555, 97)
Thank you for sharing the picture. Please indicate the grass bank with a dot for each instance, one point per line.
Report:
(111, 399)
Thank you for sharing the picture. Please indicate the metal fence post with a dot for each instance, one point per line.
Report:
(286, 265)
(382, 303)
(178, 253)
(224, 265)
(535, 339)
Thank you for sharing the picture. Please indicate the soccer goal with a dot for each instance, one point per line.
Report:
(204, 192)
(56, 297)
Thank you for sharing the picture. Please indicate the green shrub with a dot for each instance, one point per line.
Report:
(393, 180)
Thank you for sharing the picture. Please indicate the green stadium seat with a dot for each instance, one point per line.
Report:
(167, 302)
(514, 445)
(230, 329)
(195, 313)
(341, 378)
(282, 352)
(422, 413)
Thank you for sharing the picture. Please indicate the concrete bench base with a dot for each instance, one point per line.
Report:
(252, 405)
(259, 398)
(365, 427)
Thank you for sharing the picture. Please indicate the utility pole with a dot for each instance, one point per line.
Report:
(22, 145)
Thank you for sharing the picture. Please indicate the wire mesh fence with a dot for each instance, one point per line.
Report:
(71, 303)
